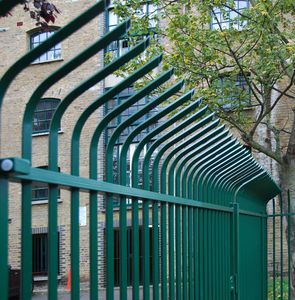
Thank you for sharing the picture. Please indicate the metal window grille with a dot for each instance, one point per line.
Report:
(40, 254)
(43, 114)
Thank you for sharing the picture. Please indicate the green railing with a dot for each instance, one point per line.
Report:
(201, 192)
(279, 248)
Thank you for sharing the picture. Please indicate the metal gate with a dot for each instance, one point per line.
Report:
(204, 193)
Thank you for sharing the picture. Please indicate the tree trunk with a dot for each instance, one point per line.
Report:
(287, 178)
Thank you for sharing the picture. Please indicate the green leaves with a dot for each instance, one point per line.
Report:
(255, 42)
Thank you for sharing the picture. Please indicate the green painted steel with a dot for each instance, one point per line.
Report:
(197, 204)
(4, 236)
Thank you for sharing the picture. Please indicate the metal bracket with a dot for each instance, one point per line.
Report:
(233, 283)
(14, 165)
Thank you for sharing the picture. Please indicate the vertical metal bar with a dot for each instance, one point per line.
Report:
(281, 246)
(222, 256)
(289, 246)
(201, 253)
(178, 253)
(215, 253)
(205, 253)
(146, 251)
(196, 253)
(164, 251)
(264, 221)
(228, 252)
(4, 237)
(210, 254)
(190, 253)
(109, 247)
(155, 252)
(93, 246)
(171, 252)
(75, 245)
(26, 241)
(123, 248)
(52, 243)
(274, 247)
(135, 249)
(184, 251)
(236, 249)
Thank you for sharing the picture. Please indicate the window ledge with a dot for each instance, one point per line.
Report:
(43, 278)
(38, 202)
(46, 61)
(45, 133)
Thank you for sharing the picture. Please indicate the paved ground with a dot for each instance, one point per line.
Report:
(41, 294)
(61, 296)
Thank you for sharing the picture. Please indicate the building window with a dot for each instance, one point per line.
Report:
(116, 101)
(37, 38)
(119, 47)
(227, 17)
(40, 254)
(234, 92)
(130, 256)
(40, 190)
(43, 114)
(112, 104)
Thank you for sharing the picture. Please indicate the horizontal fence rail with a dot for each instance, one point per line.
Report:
(188, 200)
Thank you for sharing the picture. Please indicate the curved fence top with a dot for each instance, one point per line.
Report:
(185, 154)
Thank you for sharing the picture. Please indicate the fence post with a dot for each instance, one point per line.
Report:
(4, 237)
(235, 252)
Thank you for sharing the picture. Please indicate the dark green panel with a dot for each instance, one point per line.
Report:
(251, 258)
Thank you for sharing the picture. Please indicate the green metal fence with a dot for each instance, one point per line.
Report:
(279, 248)
(205, 194)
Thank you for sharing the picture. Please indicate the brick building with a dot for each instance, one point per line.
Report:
(19, 34)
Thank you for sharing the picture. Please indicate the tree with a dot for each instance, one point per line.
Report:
(215, 45)
(42, 11)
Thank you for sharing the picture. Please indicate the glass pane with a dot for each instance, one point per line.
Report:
(57, 54)
(243, 4)
(113, 19)
(43, 36)
(233, 15)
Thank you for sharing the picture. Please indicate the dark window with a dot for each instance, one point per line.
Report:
(37, 38)
(112, 104)
(43, 114)
(226, 17)
(130, 256)
(40, 190)
(40, 254)
(119, 99)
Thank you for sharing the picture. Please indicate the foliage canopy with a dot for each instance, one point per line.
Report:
(213, 43)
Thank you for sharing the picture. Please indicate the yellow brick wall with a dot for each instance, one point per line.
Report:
(15, 43)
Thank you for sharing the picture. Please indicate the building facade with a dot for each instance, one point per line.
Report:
(19, 34)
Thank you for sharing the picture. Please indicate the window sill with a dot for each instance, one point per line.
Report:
(42, 278)
(40, 202)
(45, 133)
(47, 61)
